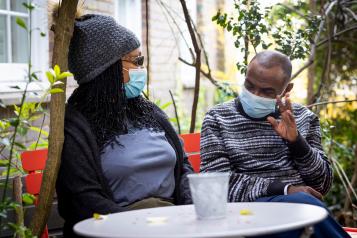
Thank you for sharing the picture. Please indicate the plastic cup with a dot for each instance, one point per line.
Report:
(209, 193)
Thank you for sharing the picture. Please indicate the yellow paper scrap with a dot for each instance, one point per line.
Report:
(245, 212)
(97, 216)
(156, 220)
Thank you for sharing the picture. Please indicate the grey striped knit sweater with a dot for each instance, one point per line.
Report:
(260, 161)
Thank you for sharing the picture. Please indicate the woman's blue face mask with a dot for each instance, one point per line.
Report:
(137, 82)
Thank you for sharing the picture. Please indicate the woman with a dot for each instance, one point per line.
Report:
(120, 152)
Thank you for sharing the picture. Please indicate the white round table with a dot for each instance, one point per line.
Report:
(180, 221)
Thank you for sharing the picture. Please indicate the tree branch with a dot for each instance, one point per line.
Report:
(336, 35)
(209, 77)
(330, 102)
(197, 64)
(318, 43)
(147, 47)
(176, 113)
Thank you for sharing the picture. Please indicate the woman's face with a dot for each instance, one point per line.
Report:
(132, 60)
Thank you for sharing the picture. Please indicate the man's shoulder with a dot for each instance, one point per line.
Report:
(223, 108)
(301, 110)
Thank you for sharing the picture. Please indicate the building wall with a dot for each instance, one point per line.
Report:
(166, 46)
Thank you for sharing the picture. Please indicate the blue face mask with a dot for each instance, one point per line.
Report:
(255, 106)
(136, 84)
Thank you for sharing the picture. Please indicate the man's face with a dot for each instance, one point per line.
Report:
(265, 82)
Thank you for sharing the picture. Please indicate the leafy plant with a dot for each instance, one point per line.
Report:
(271, 27)
(15, 128)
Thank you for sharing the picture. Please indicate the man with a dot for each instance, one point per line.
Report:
(272, 148)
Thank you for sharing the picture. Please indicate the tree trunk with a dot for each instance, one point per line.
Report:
(349, 220)
(17, 193)
(311, 69)
(63, 30)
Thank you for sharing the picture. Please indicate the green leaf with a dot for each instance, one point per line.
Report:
(29, 6)
(11, 172)
(50, 77)
(57, 71)
(64, 75)
(15, 87)
(34, 146)
(163, 107)
(22, 131)
(21, 23)
(14, 122)
(21, 146)
(58, 83)
(173, 119)
(43, 34)
(37, 129)
(4, 162)
(28, 199)
(56, 90)
(33, 75)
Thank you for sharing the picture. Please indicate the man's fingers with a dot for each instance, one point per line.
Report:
(280, 104)
(288, 102)
(274, 123)
(289, 118)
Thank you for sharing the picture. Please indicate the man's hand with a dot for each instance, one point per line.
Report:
(305, 189)
(286, 128)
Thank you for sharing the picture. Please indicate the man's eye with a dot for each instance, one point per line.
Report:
(271, 95)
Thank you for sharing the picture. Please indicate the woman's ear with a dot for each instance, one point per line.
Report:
(288, 88)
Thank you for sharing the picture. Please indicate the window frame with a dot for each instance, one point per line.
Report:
(129, 15)
(14, 74)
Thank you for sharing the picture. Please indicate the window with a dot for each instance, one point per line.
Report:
(128, 14)
(13, 39)
(14, 45)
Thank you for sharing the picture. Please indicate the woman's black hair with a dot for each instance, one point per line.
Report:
(102, 101)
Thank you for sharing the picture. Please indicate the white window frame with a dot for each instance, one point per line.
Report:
(14, 74)
(128, 13)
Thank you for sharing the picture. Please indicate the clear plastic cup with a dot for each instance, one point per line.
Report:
(209, 193)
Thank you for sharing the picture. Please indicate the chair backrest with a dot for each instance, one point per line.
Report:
(192, 148)
(352, 231)
(34, 162)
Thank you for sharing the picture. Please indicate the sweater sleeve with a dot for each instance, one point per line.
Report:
(79, 190)
(184, 184)
(310, 159)
(214, 158)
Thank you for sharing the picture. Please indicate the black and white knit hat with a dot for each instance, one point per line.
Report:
(98, 41)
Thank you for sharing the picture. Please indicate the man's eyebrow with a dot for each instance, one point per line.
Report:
(264, 89)
(269, 89)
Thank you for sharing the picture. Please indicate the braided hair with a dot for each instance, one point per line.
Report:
(103, 103)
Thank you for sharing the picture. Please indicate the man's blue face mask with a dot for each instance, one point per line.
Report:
(137, 82)
(255, 106)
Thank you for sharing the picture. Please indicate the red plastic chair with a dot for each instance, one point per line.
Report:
(351, 231)
(34, 163)
(192, 148)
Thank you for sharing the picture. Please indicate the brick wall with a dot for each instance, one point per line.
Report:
(165, 71)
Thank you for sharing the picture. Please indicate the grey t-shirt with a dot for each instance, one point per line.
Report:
(141, 166)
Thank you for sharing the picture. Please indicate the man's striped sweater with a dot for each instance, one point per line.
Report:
(260, 161)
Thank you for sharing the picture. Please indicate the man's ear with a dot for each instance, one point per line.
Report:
(288, 88)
